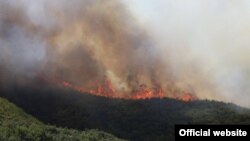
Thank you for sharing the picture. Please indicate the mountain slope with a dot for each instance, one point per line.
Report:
(137, 120)
(15, 125)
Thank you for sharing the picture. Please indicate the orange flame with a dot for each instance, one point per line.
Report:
(146, 93)
(187, 97)
(107, 90)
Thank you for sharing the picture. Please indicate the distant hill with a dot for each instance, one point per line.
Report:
(136, 120)
(15, 125)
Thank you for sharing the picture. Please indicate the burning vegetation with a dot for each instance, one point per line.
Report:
(143, 92)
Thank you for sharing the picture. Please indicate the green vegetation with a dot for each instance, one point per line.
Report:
(15, 125)
(136, 120)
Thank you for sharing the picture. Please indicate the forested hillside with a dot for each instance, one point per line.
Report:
(15, 125)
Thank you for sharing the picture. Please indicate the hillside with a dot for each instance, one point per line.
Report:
(136, 120)
(15, 125)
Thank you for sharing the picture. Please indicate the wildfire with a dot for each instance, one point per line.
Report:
(107, 90)
(187, 97)
(146, 93)
(101, 90)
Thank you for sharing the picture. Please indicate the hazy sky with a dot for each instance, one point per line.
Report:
(212, 35)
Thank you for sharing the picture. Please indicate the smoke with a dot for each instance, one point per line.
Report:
(81, 42)
(199, 47)
(206, 42)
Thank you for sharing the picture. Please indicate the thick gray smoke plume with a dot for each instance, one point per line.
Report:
(82, 42)
(177, 46)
